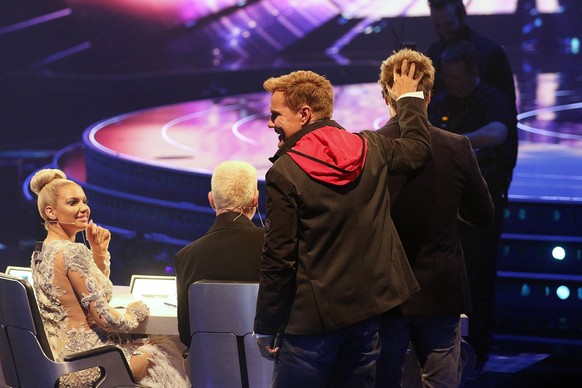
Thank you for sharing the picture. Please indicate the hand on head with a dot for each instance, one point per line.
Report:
(406, 79)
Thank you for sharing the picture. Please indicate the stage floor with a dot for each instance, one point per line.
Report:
(197, 135)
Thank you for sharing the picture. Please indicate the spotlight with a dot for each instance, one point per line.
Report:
(575, 45)
(559, 253)
(563, 292)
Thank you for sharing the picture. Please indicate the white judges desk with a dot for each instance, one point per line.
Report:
(163, 311)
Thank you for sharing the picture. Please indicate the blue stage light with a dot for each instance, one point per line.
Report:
(575, 45)
(563, 292)
(559, 253)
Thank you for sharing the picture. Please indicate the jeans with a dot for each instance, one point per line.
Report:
(343, 358)
(437, 345)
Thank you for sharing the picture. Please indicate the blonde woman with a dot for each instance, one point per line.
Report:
(73, 289)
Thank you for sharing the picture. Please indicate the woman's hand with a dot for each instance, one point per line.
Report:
(98, 238)
(138, 309)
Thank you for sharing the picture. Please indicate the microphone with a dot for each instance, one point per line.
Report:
(61, 222)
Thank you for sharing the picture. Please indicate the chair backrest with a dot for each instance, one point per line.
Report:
(7, 367)
(18, 313)
(26, 356)
(19, 309)
(223, 352)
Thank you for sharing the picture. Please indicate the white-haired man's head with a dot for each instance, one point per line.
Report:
(234, 188)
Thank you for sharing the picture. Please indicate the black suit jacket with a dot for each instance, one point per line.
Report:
(230, 250)
(425, 210)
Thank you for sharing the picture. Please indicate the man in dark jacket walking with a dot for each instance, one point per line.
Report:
(482, 113)
(332, 261)
(426, 206)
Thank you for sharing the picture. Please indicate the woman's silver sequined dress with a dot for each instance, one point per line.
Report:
(69, 325)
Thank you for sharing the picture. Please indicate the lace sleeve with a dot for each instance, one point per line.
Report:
(94, 290)
(107, 262)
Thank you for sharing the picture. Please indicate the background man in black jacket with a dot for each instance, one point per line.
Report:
(449, 18)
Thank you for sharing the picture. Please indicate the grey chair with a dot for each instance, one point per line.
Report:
(223, 352)
(26, 356)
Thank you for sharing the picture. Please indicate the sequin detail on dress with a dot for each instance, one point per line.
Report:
(70, 327)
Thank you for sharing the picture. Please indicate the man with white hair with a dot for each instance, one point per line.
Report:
(231, 249)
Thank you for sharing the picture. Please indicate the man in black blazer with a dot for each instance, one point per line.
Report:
(425, 207)
(231, 249)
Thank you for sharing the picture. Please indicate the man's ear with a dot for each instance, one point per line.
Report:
(256, 199)
(211, 200)
(305, 113)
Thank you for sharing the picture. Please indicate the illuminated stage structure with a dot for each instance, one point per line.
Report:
(174, 89)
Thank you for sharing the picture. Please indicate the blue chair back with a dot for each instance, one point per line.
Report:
(27, 360)
(223, 352)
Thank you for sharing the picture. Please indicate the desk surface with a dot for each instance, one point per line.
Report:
(163, 312)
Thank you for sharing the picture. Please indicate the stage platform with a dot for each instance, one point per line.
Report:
(195, 136)
(162, 158)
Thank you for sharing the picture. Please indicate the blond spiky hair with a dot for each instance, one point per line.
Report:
(422, 63)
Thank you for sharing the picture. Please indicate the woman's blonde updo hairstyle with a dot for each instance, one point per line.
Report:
(46, 184)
